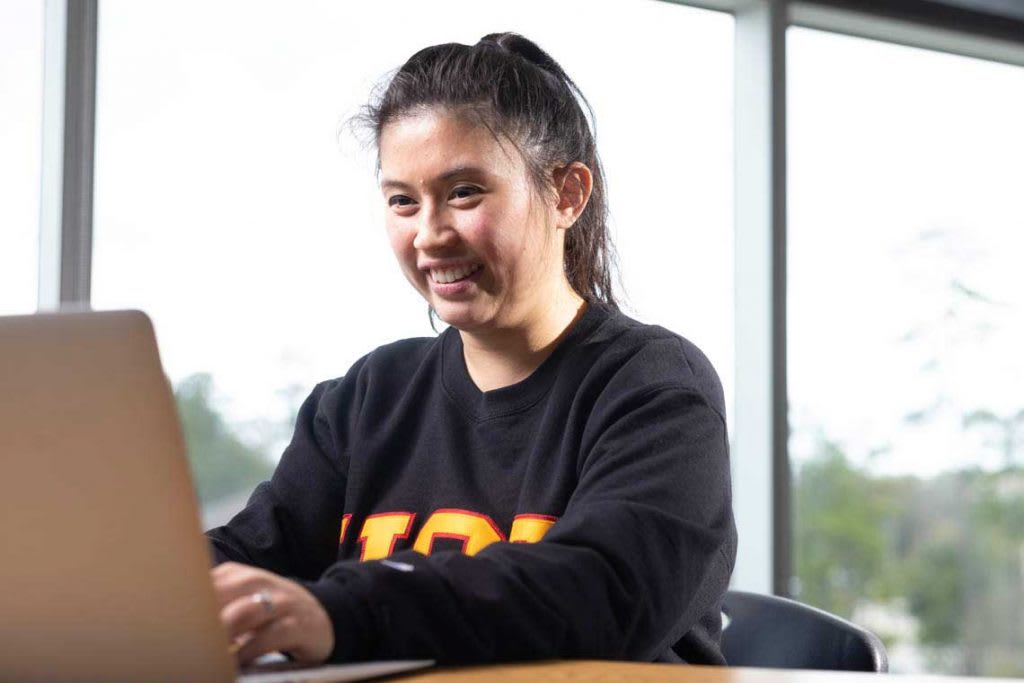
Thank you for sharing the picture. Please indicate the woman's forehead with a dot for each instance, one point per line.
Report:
(434, 143)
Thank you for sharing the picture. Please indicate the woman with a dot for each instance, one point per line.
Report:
(547, 478)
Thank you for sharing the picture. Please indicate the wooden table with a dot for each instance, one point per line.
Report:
(605, 672)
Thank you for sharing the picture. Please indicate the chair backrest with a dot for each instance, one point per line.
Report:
(773, 632)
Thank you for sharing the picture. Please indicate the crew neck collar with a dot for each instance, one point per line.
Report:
(485, 405)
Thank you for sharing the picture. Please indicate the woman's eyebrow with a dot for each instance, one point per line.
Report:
(389, 183)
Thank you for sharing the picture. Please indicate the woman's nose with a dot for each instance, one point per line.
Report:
(434, 230)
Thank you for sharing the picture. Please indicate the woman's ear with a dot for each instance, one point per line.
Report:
(573, 184)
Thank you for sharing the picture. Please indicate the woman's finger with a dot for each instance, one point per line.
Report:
(276, 635)
(256, 603)
(239, 581)
(252, 611)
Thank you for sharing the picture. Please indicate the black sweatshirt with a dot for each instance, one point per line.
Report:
(582, 512)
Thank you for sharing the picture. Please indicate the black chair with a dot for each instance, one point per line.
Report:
(768, 631)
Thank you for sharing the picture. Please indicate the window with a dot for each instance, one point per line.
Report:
(906, 320)
(228, 207)
(21, 91)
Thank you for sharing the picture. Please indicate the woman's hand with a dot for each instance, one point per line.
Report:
(264, 612)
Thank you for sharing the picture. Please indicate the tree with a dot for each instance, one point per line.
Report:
(222, 464)
(936, 581)
(843, 530)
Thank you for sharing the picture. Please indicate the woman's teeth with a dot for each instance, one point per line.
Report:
(446, 276)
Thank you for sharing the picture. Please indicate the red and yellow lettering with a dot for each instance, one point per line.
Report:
(381, 532)
(530, 528)
(476, 531)
(344, 527)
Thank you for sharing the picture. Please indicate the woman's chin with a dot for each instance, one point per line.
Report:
(460, 317)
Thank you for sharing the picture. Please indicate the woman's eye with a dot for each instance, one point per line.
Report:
(464, 192)
(399, 200)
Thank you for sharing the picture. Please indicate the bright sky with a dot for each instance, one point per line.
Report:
(230, 209)
(905, 180)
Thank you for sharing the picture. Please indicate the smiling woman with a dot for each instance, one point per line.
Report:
(598, 442)
(495, 258)
(461, 234)
(485, 253)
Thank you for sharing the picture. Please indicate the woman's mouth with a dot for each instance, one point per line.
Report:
(447, 276)
(455, 284)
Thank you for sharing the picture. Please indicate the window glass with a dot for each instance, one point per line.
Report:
(906, 321)
(21, 115)
(235, 208)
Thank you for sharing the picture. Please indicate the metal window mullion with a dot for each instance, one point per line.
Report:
(760, 427)
(69, 109)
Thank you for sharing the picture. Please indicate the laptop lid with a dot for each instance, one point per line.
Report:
(105, 572)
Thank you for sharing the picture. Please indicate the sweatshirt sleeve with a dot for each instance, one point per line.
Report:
(642, 552)
(272, 531)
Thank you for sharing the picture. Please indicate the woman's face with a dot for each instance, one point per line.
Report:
(467, 228)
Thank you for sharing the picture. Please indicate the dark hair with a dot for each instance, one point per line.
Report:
(517, 91)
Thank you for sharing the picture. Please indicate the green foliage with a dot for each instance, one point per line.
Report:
(222, 464)
(946, 551)
(842, 532)
(936, 582)
(951, 547)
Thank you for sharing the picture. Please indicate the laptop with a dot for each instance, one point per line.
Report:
(105, 571)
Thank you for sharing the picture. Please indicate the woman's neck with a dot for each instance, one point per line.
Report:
(504, 357)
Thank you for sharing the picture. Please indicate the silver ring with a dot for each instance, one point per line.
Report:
(263, 598)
